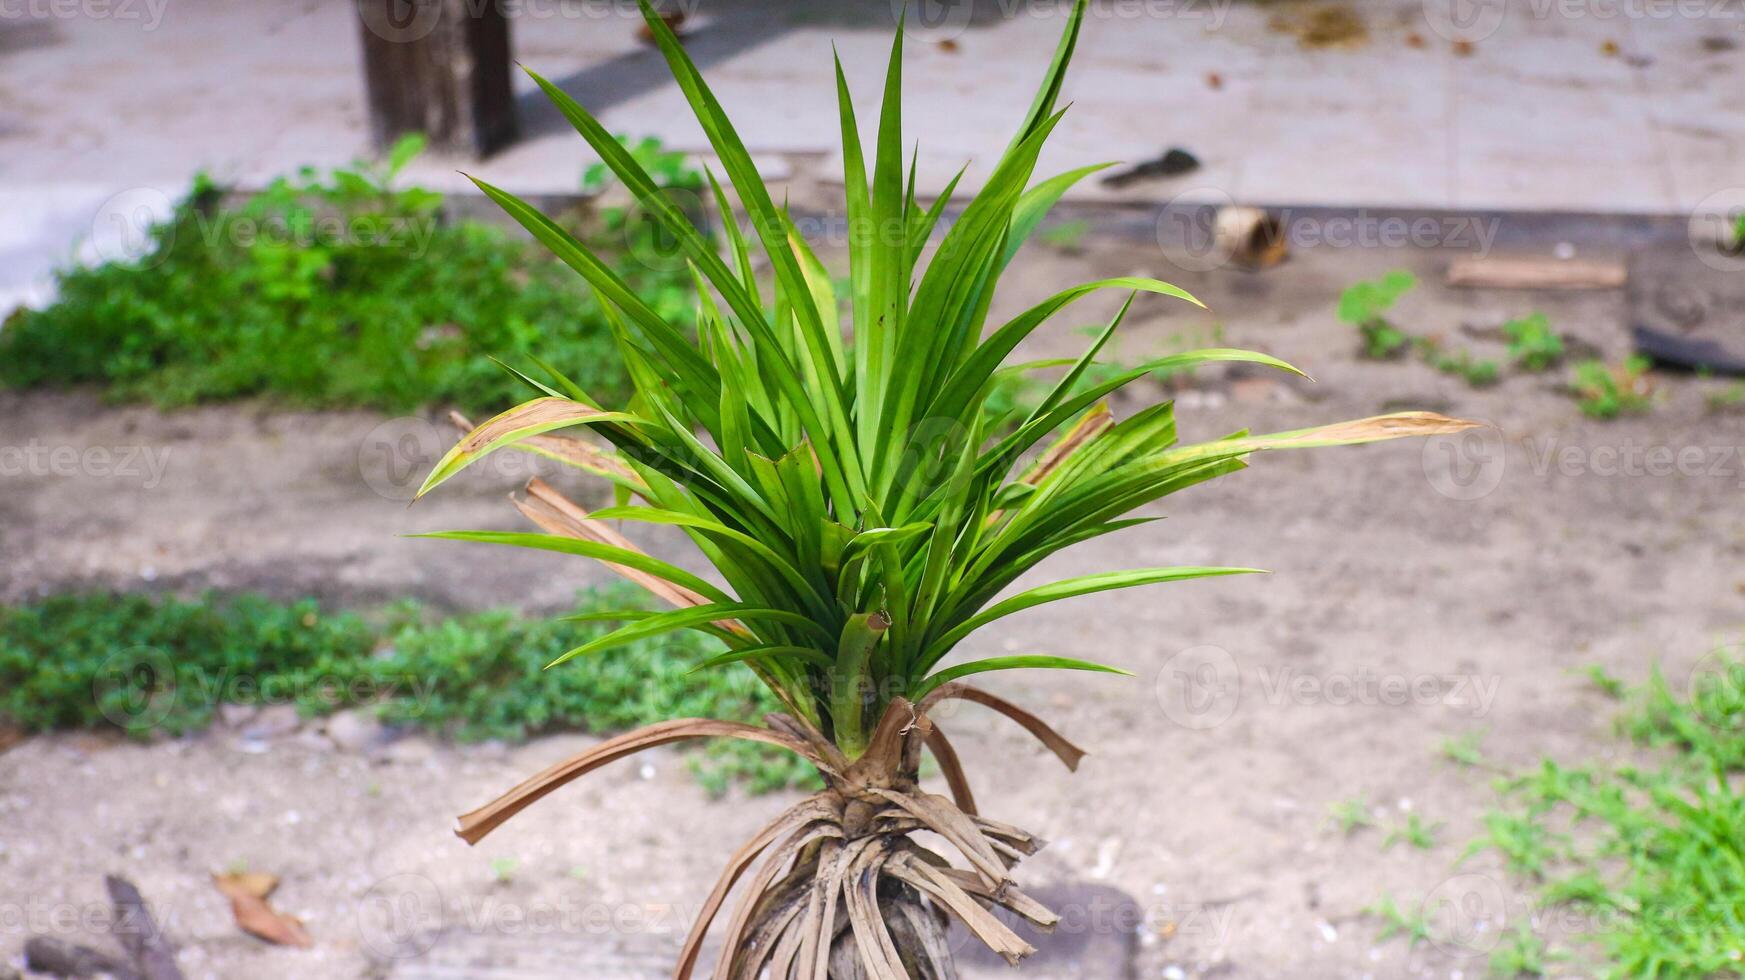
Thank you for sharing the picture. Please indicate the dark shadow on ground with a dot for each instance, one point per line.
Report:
(625, 76)
(731, 28)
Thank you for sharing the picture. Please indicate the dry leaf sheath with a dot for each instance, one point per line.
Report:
(863, 510)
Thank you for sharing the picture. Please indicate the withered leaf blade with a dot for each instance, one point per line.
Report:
(532, 418)
(571, 452)
(1376, 428)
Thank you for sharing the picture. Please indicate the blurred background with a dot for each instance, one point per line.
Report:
(246, 285)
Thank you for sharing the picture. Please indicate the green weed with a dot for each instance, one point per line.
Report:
(1726, 399)
(1647, 862)
(1350, 815)
(1606, 392)
(1414, 832)
(1397, 922)
(162, 666)
(1532, 343)
(326, 289)
(1364, 305)
(1465, 750)
(1477, 372)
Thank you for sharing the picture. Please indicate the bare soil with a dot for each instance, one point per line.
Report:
(1410, 603)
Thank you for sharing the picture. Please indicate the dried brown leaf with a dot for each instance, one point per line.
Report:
(1068, 753)
(257, 918)
(472, 827)
(1376, 428)
(806, 811)
(952, 767)
(954, 825)
(982, 923)
(758, 895)
(256, 883)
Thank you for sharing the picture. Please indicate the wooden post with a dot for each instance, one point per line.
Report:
(439, 67)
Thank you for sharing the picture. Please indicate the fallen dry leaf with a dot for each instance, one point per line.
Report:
(10, 735)
(675, 19)
(248, 903)
(256, 883)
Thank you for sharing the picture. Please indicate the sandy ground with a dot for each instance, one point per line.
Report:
(1420, 592)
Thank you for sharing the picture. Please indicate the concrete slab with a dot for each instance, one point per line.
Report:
(1541, 114)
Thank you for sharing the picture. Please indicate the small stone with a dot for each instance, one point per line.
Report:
(410, 751)
(272, 721)
(1250, 391)
(355, 730)
(236, 715)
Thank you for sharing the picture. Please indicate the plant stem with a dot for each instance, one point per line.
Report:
(847, 696)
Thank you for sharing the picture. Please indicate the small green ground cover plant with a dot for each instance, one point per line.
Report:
(1606, 391)
(1365, 305)
(337, 289)
(155, 666)
(1415, 831)
(1476, 371)
(1532, 343)
(1350, 816)
(1726, 399)
(1601, 390)
(1642, 864)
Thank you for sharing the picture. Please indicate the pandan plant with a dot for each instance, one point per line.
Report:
(865, 515)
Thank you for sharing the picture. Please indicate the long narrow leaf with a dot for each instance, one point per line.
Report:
(1023, 662)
